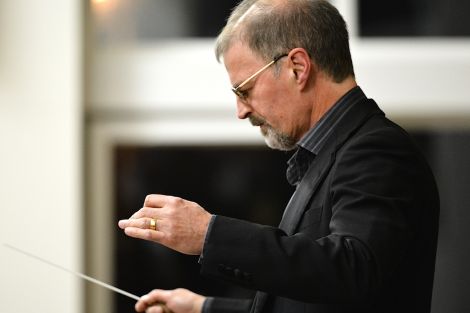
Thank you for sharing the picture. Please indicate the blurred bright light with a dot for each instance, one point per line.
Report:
(103, 5)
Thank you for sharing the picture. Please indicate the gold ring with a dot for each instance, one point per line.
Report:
(153, 224)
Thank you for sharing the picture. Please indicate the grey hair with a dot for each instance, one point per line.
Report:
(273, 27)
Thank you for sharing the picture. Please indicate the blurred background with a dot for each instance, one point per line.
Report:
(105, 101)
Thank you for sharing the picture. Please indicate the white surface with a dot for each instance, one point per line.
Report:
(40, 153)
(407, 77)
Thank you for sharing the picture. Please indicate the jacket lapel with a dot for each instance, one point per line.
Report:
(310, 182)
(353, 119)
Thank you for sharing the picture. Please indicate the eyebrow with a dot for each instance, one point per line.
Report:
(236, 86)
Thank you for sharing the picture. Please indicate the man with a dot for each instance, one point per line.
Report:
(359, 233)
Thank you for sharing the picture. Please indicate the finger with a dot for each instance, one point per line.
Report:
(156, 309)
(143, 303)
(154, 301)
(146, 234)
(159, 295)
(146, 212)
(156, 201)
(143, 223)
(123, 224)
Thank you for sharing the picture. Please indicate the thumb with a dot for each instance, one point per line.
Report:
(155, 297)
(165, 296)
(161, 296)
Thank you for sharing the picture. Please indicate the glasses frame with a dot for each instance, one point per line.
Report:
(236, 89)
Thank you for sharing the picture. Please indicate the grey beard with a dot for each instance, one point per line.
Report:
(273, 138)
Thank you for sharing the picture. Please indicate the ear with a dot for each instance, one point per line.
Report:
(301, 66)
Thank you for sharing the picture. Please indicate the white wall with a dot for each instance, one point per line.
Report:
(416, 82)
(40, 153)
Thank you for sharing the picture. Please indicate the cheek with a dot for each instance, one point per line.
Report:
(272, 103)
(269, 101)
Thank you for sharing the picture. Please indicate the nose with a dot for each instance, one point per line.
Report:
(243, 109)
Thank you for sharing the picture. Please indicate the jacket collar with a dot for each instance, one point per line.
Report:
(353, 119)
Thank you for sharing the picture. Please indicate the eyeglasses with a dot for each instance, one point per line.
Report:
(243, 95)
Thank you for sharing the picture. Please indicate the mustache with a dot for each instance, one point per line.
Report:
(256, 121)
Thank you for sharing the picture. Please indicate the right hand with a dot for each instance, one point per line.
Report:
(181, 225)
(177, 301)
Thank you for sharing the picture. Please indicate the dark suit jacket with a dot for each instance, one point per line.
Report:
(358, 235)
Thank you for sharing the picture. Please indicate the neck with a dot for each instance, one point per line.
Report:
(325, 93)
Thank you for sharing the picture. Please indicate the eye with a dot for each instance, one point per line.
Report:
(243, 94)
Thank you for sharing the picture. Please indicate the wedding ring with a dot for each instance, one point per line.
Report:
(153, 224)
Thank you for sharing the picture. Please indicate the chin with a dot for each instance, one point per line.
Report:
(278, 141)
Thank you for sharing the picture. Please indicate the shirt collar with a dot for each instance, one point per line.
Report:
(314, 139)
(312, 142)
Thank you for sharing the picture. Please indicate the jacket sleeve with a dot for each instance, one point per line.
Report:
(226, 305)
(369, 194)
